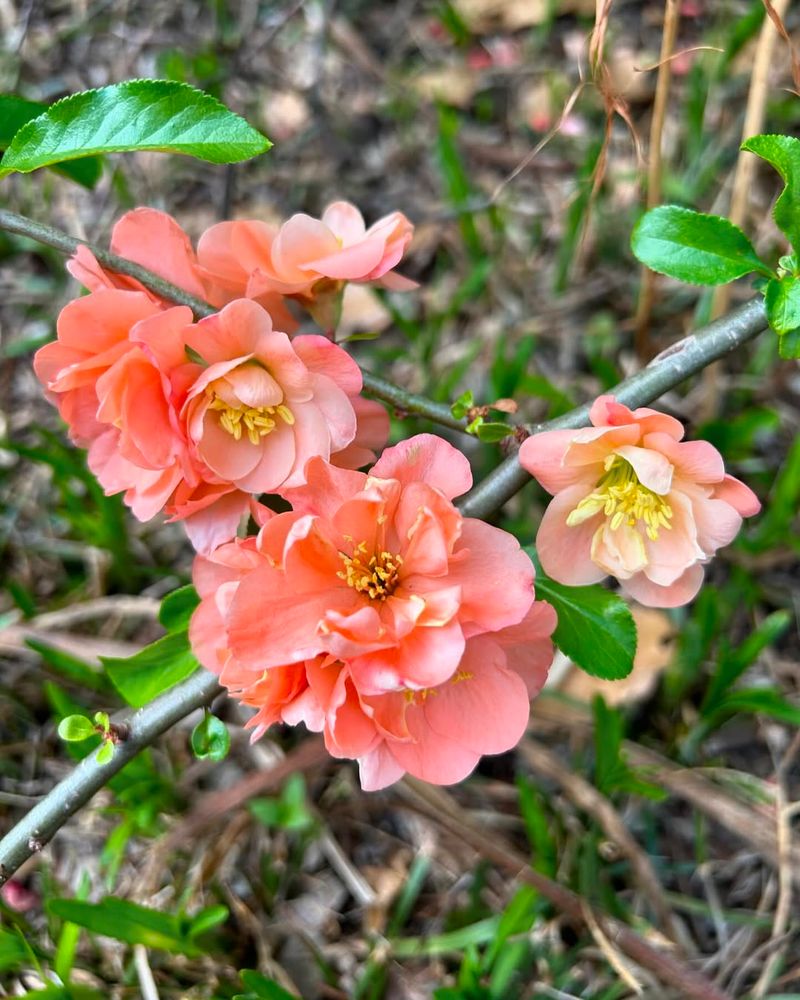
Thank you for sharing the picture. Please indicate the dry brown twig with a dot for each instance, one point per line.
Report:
(672, 17)
(442, 808)
(544, 762)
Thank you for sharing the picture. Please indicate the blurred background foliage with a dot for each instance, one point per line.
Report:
(173, 884)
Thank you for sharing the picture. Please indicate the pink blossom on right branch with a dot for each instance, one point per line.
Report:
(634, 501)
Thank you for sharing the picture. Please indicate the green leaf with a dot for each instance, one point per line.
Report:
(491, 431)
(159, 115)
(159, 666)
(211, 739)
(733, 662)
(462, 405)
(261, 988)
(177, 608)
(595, 628)
(78, 671)
(75, 728)
(105, 753)
(16, 112)
(13, 952)
(782, 299)
(128, 922)
(783, 152)
(207, 919)
(789, 345)
(760, 701)
(687, 245)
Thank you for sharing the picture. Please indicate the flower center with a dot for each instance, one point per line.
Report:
(623, 499)
(254, 421)
(377, 577)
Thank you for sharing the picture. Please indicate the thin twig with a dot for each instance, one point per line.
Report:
(434, 802)
(588, 798)
(669, 369)
(31, 834)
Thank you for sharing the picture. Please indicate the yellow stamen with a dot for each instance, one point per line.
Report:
(376, 576)
(256, 421)
(623, 500)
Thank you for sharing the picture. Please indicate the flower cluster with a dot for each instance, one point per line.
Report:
(634, 501)
(375, 613)
(195, 418)
(372, 610)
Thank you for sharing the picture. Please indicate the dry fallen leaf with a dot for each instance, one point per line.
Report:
(454, 84)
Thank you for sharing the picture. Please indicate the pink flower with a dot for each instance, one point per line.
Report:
(195, 433)
(264, 404)
(154, 240)
(389, 719)
(308, 259)
(633, 501)
(380, 571)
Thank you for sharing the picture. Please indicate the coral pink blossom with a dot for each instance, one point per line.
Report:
(376, 614)
(154, 240)
(192, 418)
(634, 501)
(308, 259)
(380, 571)
(262, 405)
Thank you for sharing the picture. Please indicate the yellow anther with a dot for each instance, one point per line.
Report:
(256, 421)
(414, 697)
(623, 500)
(376, 576)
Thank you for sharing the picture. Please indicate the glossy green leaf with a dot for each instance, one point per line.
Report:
(782, 299)
(595, 628)
(687, 245)
(105, 753)
(177, 608)
(156, 115)
(75, 728)
(152, 670)
(783, 152)
(16, 112)
(211, 739)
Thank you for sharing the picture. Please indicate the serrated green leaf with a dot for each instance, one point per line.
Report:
(783, 153)
(782, 300)
(17, 111)
(157, 115)
(595, 628)
(152, 670)
(177, 608)
(75, 728)
(211, 739)
(789, 345)
(693, 247)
